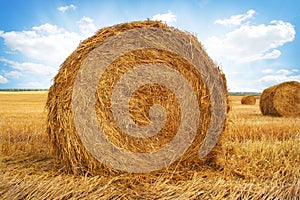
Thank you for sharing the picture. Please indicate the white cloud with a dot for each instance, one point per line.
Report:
(167, 17)
(275, 79)
(34, 75)
(284, 72)
(86, 26)
(250, 43)
(42, 44)
(28, 67)
(269, 55)
(46, 42)
(236, 19)
(65, 8)
(259, 81)
(12, 74)
(279, 77)
(244, 89)
(3, 80)
(33, 84)
(10, 52)
(267, 71)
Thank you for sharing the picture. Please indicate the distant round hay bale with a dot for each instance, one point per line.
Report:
(281, 100)
(248, 100)
(87, 81)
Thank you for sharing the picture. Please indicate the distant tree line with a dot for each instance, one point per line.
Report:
(244, 93)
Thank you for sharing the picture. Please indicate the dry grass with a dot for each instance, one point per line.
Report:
(259, 160)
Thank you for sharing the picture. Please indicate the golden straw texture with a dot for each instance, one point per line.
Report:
(281, 100)
(67, 145)
(248, 100)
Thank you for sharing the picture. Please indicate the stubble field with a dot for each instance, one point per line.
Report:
(260, 159)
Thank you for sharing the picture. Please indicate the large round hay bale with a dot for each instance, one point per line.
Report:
(129, 77)
(248, 100)
(281, 100)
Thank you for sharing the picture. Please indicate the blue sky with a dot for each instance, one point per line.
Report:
(255, 42)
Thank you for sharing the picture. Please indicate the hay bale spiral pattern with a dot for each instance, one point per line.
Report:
(140, 87)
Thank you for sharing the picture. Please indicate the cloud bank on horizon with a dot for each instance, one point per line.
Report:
(243, 50)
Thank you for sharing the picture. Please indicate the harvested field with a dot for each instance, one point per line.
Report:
(259, 159)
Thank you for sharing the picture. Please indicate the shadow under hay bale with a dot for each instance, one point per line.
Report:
(281, 100)
(248, 100)
(68, 146)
